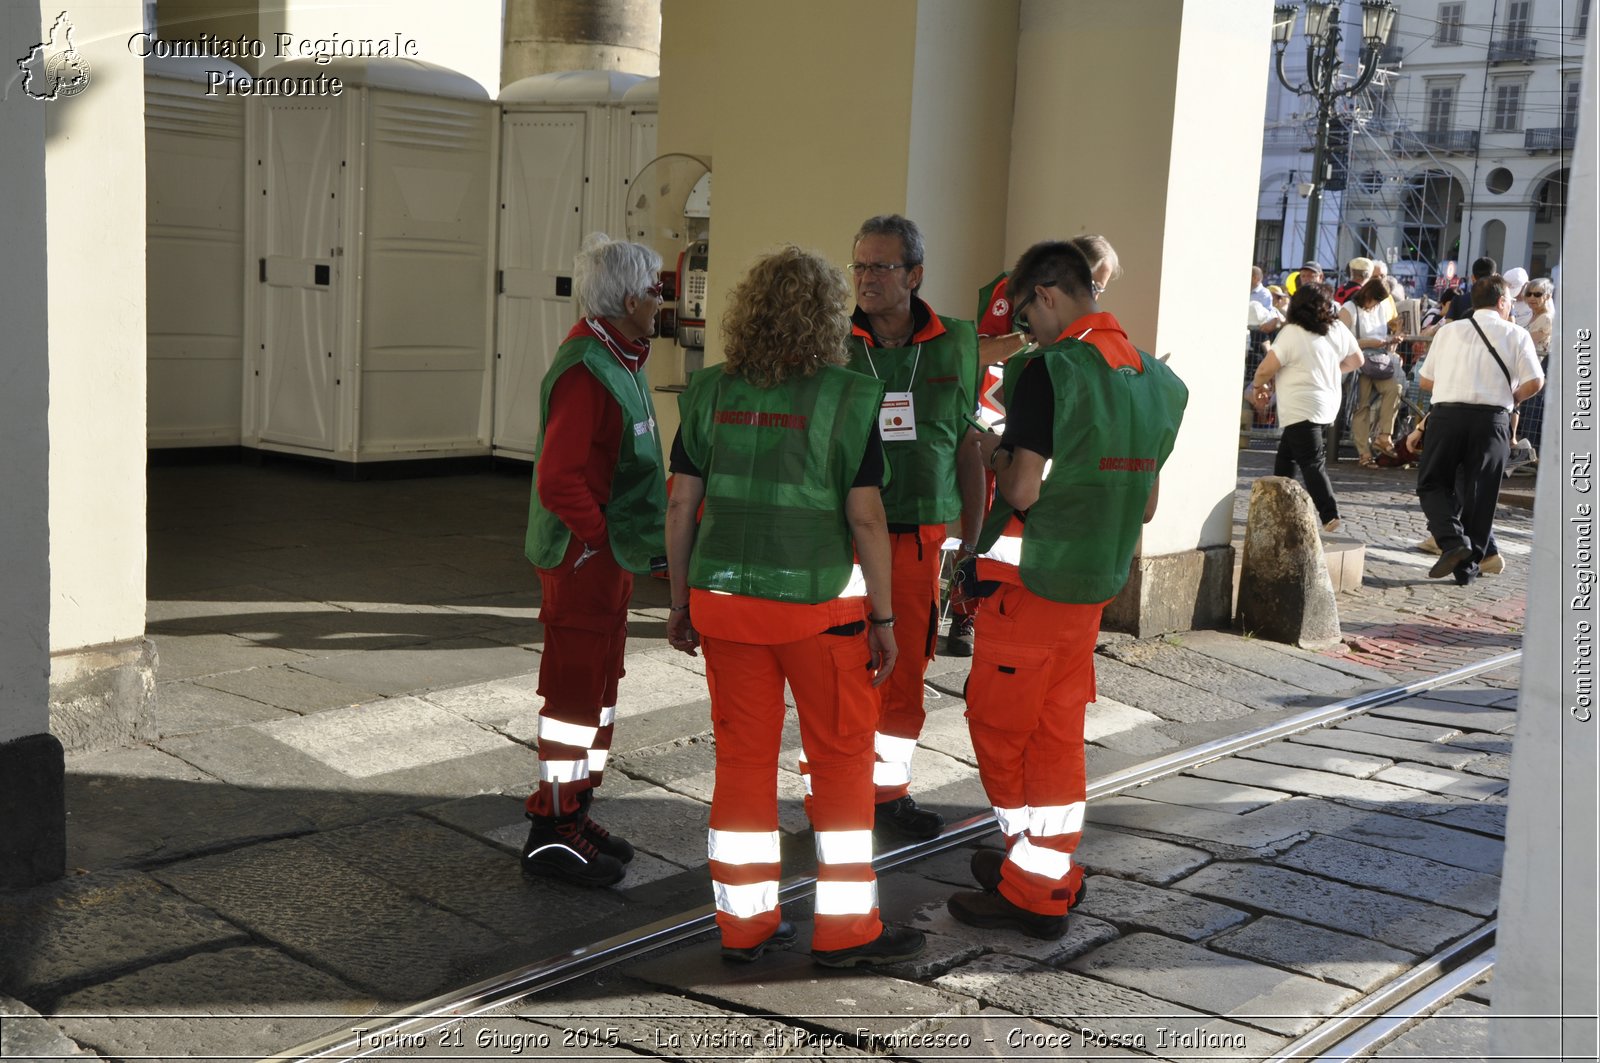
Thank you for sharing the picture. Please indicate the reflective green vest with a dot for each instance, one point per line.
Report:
(921, 485)
(1114, 429)
(637, 509)
(777, 464)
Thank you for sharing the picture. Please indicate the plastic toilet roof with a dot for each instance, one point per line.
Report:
(573, 86)
(397, 75)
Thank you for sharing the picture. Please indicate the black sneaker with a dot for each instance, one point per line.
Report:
(895, 945)
(559, 848)
(616, 848)
(986, 873)
(1446, 565)
(902, 816)
(781, 938)
(958, 643)
(992, 911)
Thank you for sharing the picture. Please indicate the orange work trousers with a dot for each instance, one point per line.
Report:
(915, 594)
(584, 612)
(838, 709)
(1032, 676)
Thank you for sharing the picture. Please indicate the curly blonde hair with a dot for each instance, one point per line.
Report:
(786, 318)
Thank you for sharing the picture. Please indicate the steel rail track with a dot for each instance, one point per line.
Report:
(431, 1015)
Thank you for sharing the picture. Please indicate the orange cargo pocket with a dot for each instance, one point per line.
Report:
(855, 708)
(1007, 685)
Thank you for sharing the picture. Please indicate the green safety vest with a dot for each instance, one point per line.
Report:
(637, 509)
(921, 486)
(777, 464)
(1114, 429)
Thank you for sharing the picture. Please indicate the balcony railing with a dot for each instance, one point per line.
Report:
(1513, 50)
(1447, 141)
(1557, 138)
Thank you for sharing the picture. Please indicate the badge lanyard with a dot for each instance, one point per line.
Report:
(649, 424)
(897, 417)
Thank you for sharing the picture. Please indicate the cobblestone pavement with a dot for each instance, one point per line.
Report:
(324, 826)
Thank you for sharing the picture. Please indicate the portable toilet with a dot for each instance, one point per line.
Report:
(371, 231)
(195, 258)
(569, 144)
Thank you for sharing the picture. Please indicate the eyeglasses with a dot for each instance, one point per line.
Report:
(877, 269)
(1096, 290)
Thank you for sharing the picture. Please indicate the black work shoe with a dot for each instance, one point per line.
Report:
(559, 848)
(616, 848)
(902, 816)
(993, 911)
(958, 643)
(895, 945)
(986, 873)
(781, 938)
(1446, 565)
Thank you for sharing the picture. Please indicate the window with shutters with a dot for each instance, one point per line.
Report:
(1508, 107)
(1449, 31)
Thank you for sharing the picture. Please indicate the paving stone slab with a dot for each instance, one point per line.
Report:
(1409, 729)
(1494, 766)
(459, 874)
(25, 1034)
(215, 608)
(945, 731)
(88, 926)
(663, 823)
(1492, 697)
(1193, 792)
(240, 1002)
(1442, 754)
(193, 656)
(1112, 852)
(1161, 696)
(1104, 1012)
(1317, 952)
(184, 708)
(1441, 781)
(869, 1010)
(1259, 833)
(1134, 906)
(1485, 818)
(1364, 793)
(1281, 663)
(1317, 758)
(652, 683)
(1226, 986)
(1110, 723)
(1402, 873)
(317, 906)
(1399, 921)
(1447, 845)
(137, 806)
(665, 765)
(427, 666)
(1494, 745)
(286, 687)
(1451, 714)
(382, 737)
(954, 943)
(1170, 658)
(1458, 1032)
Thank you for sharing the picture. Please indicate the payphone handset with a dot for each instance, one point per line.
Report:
(694, 281)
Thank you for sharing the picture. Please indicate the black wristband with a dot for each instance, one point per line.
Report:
(885, 622)
(677, 608)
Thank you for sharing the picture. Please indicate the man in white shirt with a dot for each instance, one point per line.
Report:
(1477, 370)
(1258, 290)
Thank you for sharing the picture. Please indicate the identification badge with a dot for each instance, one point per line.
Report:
(644, 427)
(897, 417)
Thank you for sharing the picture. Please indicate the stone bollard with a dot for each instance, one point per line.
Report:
(1284, 592)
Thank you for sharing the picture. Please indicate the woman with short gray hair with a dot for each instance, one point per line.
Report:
(595, 520)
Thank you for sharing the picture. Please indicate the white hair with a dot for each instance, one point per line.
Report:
(607, 271)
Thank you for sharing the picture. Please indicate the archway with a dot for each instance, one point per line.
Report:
(1549, 221)
(1493, 240)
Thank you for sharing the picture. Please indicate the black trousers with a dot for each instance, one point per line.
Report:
(1301, 445)
(1458, 478)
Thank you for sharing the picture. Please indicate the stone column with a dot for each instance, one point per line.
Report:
(33, 842)
(545, 36)
(1141, 120)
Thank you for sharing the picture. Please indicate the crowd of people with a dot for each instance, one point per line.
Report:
(815, 473)
(1479, 356)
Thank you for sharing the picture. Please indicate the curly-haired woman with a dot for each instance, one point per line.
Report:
(781, 443)
(1304, 366)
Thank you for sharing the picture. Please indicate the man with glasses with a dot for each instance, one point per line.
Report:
(1090, 421)
(595, 519)
(929, 366)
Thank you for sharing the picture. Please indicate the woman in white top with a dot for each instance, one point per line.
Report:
(1542, 325)
(1366, 314)
(1303, 366)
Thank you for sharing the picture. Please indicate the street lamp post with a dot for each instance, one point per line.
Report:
(1323, 37)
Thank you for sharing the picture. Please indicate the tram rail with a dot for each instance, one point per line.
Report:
(1343, 1037)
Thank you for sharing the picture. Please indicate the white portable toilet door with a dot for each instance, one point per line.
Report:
(545, 211)
(299, 149)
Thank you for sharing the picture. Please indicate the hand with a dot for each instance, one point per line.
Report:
(1261, 397)
(965, 574)
(987, 443)
(681, 634)
(881, 641)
